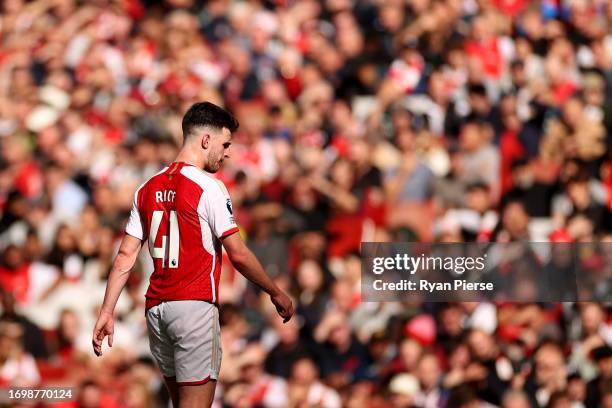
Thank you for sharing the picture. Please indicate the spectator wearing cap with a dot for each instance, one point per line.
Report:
(481, 316)
(404, 389)
(422, 328)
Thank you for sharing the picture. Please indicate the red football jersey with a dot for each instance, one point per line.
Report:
(183, 212)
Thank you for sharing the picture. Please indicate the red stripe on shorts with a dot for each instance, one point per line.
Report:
(204, 381)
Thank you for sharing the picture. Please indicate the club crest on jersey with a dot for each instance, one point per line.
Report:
(228, 204)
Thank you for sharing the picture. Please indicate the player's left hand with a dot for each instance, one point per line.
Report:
(284, 306)
(105, 326)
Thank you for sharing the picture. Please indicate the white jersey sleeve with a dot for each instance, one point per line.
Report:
(219, 210)
(134, 225)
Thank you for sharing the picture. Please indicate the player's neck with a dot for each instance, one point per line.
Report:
(187, 156)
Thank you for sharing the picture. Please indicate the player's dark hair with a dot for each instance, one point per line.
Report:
(207, 114)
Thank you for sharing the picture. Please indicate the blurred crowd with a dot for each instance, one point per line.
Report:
(361, 120)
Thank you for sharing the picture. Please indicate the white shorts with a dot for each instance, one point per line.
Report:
(184, 337)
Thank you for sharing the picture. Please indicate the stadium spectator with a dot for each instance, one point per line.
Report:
(421, 120)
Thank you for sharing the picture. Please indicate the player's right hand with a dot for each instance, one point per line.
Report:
(105, 326)
(284, 306)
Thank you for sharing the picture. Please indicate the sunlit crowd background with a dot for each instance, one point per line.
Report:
(361, 120)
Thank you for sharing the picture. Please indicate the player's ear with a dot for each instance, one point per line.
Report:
(205, 140)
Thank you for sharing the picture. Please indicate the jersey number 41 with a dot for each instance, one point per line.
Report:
(169, 250)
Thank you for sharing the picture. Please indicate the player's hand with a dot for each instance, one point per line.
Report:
(105, 326)
(284, 306)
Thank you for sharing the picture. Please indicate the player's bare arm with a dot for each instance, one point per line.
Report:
(123, 264)
(247, 264)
